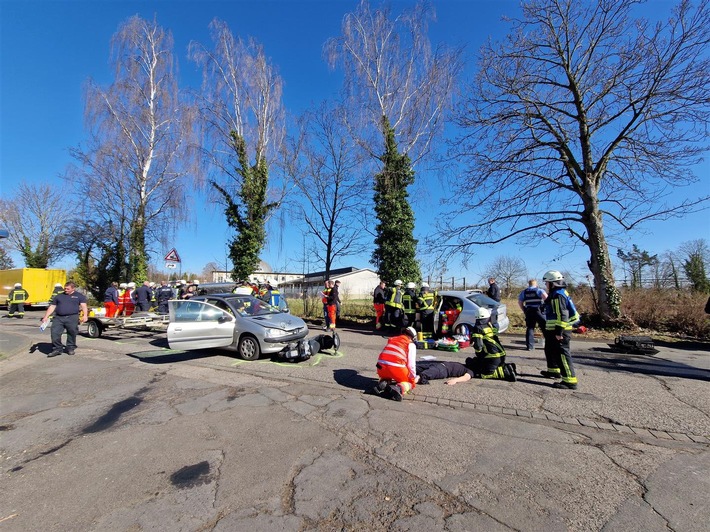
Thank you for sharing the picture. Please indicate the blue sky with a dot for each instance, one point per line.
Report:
(50, 49)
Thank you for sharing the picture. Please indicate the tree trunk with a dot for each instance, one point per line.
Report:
(608, 297)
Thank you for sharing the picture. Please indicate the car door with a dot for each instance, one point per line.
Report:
(198, 325)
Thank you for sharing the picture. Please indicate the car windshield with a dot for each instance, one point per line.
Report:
(251, 306)
(482, 300)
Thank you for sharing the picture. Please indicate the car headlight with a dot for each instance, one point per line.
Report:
(273, 333)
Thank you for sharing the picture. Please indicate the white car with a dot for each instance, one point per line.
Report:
(468, 302)
(237, 322)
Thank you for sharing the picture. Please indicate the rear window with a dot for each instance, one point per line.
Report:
(482, 300)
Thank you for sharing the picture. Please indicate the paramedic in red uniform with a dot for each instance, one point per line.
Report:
(396, 366)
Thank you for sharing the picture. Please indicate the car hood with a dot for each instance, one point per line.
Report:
(283, 321)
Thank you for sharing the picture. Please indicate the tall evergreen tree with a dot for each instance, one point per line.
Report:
(395, 245)
(247, 211)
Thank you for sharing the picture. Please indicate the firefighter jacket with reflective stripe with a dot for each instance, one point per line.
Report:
(401, 353)
(531, 297)
(274, 297)
(395, 298)
(324, 295)
(560, 312)
(426, 301)
(17, 295)
(485, 342)
(408, 299)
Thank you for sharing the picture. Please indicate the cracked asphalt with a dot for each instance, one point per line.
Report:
(128, 435)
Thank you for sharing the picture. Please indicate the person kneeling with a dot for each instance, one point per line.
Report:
(396, 366)
(489, 362)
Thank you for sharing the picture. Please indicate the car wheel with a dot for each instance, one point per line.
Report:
(248, 348)
(93, 329)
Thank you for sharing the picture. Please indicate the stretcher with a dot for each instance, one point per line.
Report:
(143, 321)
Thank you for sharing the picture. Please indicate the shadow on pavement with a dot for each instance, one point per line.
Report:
(165, 357)
(43, 347)
(612, 360)
(350, 378)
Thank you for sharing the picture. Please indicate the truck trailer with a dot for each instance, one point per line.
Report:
(38, 282)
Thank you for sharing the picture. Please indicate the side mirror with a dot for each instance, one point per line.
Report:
(224, 318)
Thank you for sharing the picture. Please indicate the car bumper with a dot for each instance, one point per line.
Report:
(274, 345)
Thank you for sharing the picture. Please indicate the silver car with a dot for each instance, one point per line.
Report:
(468, 302)
(236, 322)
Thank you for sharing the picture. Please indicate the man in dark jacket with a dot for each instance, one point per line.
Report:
(378, 301)
(332, 304)
(111, 300)
(163, 294)
(493, 290)
(143, 296)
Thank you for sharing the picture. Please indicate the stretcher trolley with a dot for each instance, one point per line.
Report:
(143, 321)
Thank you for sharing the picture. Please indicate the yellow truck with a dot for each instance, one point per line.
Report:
(38, 282)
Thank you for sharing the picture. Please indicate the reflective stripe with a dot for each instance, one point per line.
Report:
(395, 299)
(408, 302)
(428, 300)
(395, 352)
(388, 363)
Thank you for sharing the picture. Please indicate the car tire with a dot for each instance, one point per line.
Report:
(248, 348)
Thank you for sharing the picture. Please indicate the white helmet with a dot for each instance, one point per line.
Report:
(552, 276)
(411, 332)
(425, 285)
(131, 285)
(411, 285)
(195, 282)
(398, 282)
(18, 285)
(123, 285)
(57, 285)
(483, 313)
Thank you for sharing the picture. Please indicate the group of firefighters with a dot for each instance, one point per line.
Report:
(399, 371)
(398, 307)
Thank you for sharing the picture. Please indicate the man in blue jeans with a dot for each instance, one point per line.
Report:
(66, 309)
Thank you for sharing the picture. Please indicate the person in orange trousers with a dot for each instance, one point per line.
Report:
(332, 304)
(378, 301)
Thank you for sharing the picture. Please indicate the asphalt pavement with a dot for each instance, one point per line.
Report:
(129, 435)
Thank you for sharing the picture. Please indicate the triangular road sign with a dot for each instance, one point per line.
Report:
(173, 256)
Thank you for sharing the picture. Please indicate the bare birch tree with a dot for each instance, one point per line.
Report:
(331, 180)
(392, 72)
(35, 225)
(581, 123)
(135, 167)
(243, 120)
